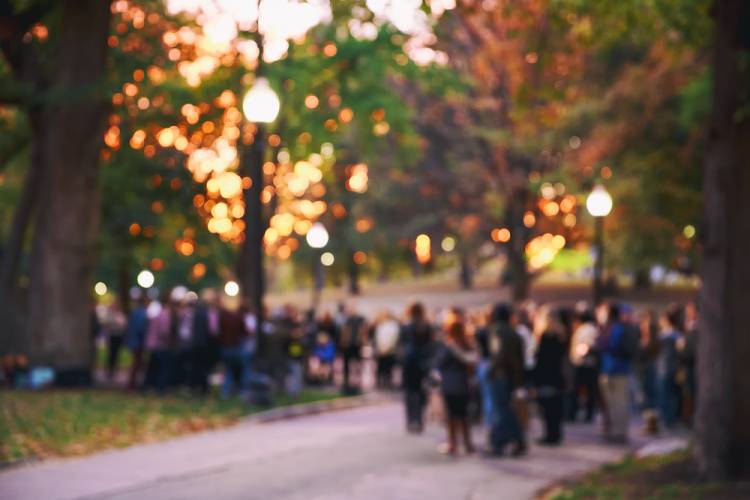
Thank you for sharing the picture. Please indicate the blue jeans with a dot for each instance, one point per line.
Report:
(669, 400)
(505, 426)
(485, 390)
(235, 369)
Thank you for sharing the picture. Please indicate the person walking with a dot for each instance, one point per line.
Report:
(548, 372)
(506, 375)
(455, 362)
(416, 345)
(618, 349)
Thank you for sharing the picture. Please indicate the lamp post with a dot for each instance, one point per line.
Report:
(317, 238)
(260, 106)
(599, 205)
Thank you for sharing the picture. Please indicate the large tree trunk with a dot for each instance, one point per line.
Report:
(722, 423)
(518, 271)
(11, 312)
(68, 213)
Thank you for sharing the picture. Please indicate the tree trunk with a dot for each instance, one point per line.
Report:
(518, 271)
(466, 274)
(24, 211)
(353, 269)
(722, 433)
(67, 218)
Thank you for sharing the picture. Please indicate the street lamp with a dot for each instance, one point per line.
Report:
(599, 205)
(317, 238)
(260, 106)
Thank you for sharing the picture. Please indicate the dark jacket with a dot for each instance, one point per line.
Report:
(506, 348)
(232, 328)
(455, 372)
(416, 341)
(548, 371)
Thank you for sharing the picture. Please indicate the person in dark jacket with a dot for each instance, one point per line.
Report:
(416, 345)
(135, 338)
(548, 373)
(667, 366)
(204, 348)
(506, 374)
(455, 361)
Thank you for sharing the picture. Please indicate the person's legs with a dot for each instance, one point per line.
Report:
(113, 353)
(135, 367)
(619, 407)
(588, 382)
(605, 398)
(164, 370)
(505, 425)
(452, 435)
(555, 420)
(466, 432)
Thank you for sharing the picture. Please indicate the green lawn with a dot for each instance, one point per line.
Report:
(67, 423)
(670, 476)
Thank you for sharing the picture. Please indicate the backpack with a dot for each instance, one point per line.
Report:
(630, 342)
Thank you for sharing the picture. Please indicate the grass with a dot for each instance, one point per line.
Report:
(669, 476)
(69, 423)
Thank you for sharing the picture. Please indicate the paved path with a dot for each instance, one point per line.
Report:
(354, 454)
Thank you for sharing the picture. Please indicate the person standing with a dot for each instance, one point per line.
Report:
(353, 339)
(506, 375)
(455, 362)
(231, 337)
(183, 363)
(158, 344)
(646, 370)
(136, 338)
(583, 357)
(548, 372)
(687, 360)
(617, 353)
(386, 340)
(667, 366)
(114, 325)
(416, 345)
(204, 341)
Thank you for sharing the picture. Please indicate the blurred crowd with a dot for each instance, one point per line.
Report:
(565, 363)
(496, 366)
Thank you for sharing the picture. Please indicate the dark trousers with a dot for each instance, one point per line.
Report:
(552, 413)
(586, 380)
(415, 400)
(135, 368)
(201, 364)
(158, 371)
(114, 343)
(505, 426)
(351, 359)
(385, 371)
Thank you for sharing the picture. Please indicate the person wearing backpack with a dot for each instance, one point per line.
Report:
(617, 354)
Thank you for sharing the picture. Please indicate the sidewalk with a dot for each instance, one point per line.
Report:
(361, 453)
